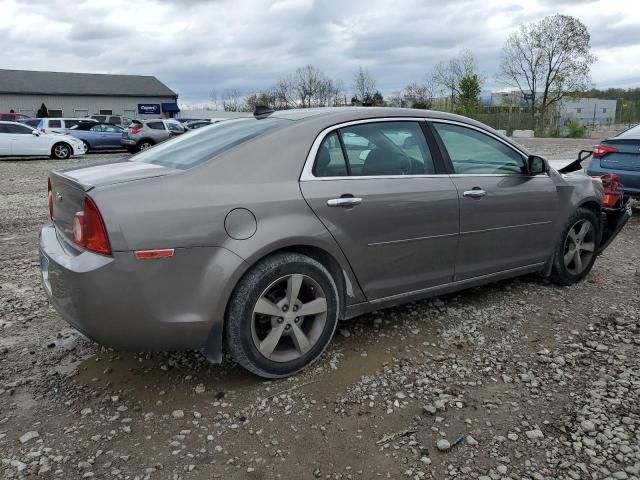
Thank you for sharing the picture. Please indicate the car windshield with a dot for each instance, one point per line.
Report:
(202, 144)
(631, 132)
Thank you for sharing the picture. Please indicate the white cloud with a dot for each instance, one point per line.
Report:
(201, 45)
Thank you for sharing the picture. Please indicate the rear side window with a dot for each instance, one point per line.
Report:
(55, 123)
(156, 125)
(330, 161)
(375, 149)
(187, 151)
(71, 123)
(115, 120)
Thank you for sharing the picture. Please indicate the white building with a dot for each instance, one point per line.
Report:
(589, 111)
(81, 94)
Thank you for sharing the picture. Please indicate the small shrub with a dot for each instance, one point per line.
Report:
(576, 129)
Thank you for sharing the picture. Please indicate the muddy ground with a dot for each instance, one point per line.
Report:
(519, 379)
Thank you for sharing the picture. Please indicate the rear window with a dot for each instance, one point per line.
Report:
(631, 132)
(198, 146)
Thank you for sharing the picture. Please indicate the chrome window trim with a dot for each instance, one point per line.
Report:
(307, 171)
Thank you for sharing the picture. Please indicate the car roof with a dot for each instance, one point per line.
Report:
(14, 123)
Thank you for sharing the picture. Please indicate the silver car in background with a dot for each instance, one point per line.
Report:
(143, 134)
(257, 235)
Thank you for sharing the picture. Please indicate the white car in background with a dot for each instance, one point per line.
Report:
(18, 140)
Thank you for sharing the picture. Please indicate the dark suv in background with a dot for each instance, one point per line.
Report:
(142, 134)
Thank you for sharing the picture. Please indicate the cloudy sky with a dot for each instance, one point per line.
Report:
(195, 46)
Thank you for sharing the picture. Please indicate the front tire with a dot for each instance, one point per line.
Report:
(61, 151)
(282, 315)
(577, 249)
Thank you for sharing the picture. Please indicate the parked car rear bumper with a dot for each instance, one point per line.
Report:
(630, 179)
(138, 305)
(128, 142)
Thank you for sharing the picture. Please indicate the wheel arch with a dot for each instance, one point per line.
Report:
(61, 142)
(146, 139)
(214, 347)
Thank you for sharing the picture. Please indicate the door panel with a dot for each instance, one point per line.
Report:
(5, 143)
(509, 227)
(506, 214)
(401, 237)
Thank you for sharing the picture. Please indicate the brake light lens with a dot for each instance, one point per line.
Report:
(135, 130)
(613, 190)
(89, 230)
(600, 151)
(50, 198)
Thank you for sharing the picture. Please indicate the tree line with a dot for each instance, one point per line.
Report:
(545, 61)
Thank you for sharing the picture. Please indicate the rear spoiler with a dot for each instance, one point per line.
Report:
(568, 166)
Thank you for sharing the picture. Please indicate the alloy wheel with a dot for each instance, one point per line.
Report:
(61, 151)
(145, 145)
(289, 318)
(579, 246)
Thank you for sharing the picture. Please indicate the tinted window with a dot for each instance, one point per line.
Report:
(387, 148)
(19, 129)
(473, 152)
(71, 123)
(114, 120)
(175, 127)
(32, 123)
(97, 128)
(156, 125)
(186, 151)
(55, 123)
(330, 161)
(632, 132)
(100, 118)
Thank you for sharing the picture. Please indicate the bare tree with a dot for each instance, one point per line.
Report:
(551, 57)
(447, 76)
(213, 98)
(232, 100)
(419, 95)
(363, 85)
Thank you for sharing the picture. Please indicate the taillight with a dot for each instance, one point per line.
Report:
(613, 190)
(50, 199)
(135, 130)
(89, 230)
(600, 151)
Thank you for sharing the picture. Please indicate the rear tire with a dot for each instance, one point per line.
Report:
(144, 144)
(267, 331)
(86, 146)
(61, 151)
(577, 248)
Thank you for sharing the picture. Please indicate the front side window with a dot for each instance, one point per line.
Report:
(386, 149)
(97, 128)
(473, 152)
(187, 151)
(18, 129)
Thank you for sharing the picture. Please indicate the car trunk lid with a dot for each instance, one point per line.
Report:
(627, 156)
(69, 187)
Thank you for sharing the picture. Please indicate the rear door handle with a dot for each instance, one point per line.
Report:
(344, 202)
(476, 193)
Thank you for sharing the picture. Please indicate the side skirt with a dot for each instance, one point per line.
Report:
(386, 302)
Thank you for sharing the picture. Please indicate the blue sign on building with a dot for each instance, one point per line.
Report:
(149, 108)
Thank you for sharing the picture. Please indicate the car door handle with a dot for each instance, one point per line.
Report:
(476, 193)
(344, 202)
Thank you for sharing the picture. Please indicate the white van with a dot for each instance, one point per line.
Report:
(48, 124)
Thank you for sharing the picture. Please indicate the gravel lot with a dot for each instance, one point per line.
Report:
(520, 379)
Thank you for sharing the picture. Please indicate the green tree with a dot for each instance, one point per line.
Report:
(547, 60)
(469, 99)
(42, 112)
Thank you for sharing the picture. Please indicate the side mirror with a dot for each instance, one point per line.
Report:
(35, 132)
(536, 165)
